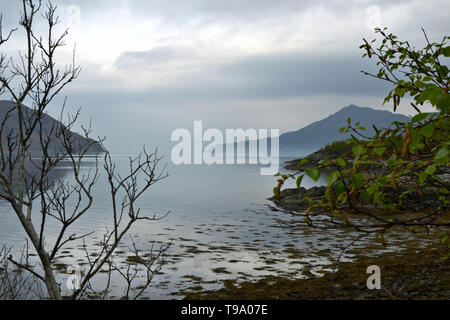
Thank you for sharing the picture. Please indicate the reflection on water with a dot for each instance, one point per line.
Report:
(220, 225)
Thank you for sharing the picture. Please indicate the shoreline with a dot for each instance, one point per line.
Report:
(412, 264)
(416, 273)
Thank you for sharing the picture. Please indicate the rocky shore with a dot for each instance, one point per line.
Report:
(413, 265)
(414, 274)
(315, 157)
(293, 199)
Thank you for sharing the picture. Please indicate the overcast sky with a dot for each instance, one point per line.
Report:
(153, 66)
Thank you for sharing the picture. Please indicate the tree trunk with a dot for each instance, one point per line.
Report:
(50, 281)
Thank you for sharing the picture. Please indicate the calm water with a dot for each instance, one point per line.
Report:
(219, 218)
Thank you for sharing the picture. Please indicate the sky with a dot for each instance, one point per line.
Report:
(150, 67)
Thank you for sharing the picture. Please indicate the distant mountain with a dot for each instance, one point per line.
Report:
(323, 132)
(11, 127)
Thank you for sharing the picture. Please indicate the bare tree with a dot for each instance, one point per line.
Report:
(27, 182)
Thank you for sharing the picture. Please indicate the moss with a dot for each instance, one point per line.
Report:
(412, 274)
(234, 261)
(194, 250)
(135, 259)
(293, 253)
(221, 270)
(60, 267)
(272, 261)
(193, 278)
(196, 288)
(220, 248)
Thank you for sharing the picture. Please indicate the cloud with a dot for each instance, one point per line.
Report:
(297, 74)
(271, 76)
(133, 59)
(286, 62)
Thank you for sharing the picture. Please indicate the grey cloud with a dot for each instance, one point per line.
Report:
(132, 59)
(297, 74)
(270, 77)
(233, 9)
(327, 78)
(176, 11)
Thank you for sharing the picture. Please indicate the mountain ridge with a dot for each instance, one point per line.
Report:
(325, 131)
(11, 127)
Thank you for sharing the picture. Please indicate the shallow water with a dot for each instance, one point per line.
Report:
(221, 227)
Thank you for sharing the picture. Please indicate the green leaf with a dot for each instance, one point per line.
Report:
(341, 162)
(379, 151)
(422, 177)
(436, 96)
(339, 188)
(313, 173)
(441, 157)
(420, 117)
(333, 177)
(299, 181)
(382, 181)
(446, 51)
(365, 196)
(275, 192)
(378, 197)
(327, 195)
(358, 180)
(430, 93)
(400, 91)
(415, 141)
(341, 130)
(430, 170)
(391, 160)
(372, 189)
(442, 101)
(427, 130)
(358, 150)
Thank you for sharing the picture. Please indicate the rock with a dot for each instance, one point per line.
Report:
(293, 199)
